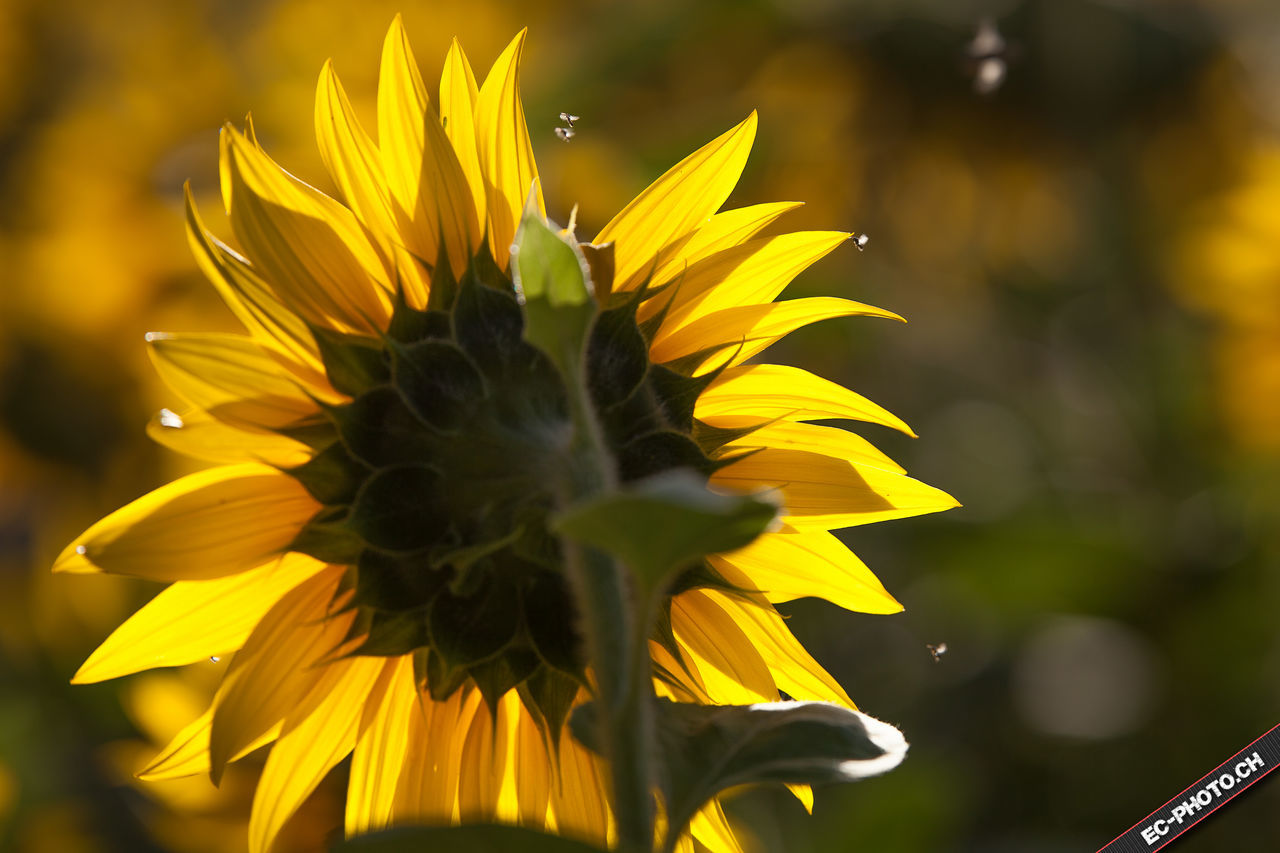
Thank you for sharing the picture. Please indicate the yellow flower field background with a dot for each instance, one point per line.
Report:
(1089, 258)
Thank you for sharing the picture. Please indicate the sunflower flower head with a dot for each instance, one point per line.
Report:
(377, 549)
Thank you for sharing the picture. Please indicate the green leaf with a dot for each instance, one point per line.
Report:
(553, 282)
(659, 525)
(473, 838)
(706, 749)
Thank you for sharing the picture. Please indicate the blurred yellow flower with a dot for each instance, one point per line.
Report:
(371, 550)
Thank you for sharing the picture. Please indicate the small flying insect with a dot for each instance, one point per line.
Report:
(861, 241)
(565, 117)
(989, 55)
(564, 134)
(937, 650)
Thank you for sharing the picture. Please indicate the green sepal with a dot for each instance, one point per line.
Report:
(711, 438)
(660, 525)
(353, 363)
(438, 382)
(465, 631)
(396, 509)
(469, 838)
(678, 394)
(327, 538)
(484, 270)
(552, 281)
(444, 287)
(461, 560)
(617, 356)
(386, 582)
(552, 624)
(315, 431)
(442, 678)
(389, 634)
(552, 693)
(703, 750)
(331, 476)
(662, 450)
(498, 675)
(409, 324)
(378, 429)
(488, 325)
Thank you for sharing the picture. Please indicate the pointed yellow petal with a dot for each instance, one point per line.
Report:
(193, 620)
(725, 230)
(193, 433)
(819, 491)
(531, 767)
(732, 669)
(767, 391)
(753, 273)
(380, 751)
(312, 742)
(803, 793)
(273, 673)
(427, 790)
(797, 435)
(793, 668)
(427, 181)
(506, 154)
(578, 803)
(231, 378)
(675, 204)
(206, 525)
(352, 160)
(311, 249)
(458, 97)
(188, 753)
(271, 324)
(483, 766)
(710, 826)
(786, 566)
(756, 326)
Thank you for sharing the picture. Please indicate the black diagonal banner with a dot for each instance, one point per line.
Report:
(1202, 798)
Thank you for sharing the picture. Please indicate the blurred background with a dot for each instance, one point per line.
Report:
(1080, 217)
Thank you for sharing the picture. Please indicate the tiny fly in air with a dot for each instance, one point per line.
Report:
(937, 650)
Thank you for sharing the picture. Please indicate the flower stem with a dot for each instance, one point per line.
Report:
(615, 622)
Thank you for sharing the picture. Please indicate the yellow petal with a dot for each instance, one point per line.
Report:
(231, 378)
(188, 753)
(731, 668)
(792, 668)
(756, 326)
(786, 566)
(353, 160)
(380, 752)
(531, 768)
(819, 491)
(458, 97)
(427, 790)
(767, 391)
(578, 807)
(193, 433)
(271, 324)
(675, 204)
(312, 742)
(206, 525)
(803, 793)
(272, 675)
(725, 230)
(193, 620)
(311, 249)
(427, 181)
(795, 435)
(506, 154)
(483, 767)
(711, 828)
(755, 272)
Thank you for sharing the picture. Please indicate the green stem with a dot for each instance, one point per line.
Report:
(616, 627)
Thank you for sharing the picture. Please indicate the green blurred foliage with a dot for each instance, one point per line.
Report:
(1089, 258)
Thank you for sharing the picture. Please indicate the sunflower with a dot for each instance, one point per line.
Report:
(371, 556)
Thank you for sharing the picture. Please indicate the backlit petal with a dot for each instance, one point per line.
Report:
(191, 621)
(380, 752)
(769, 391)
(814, 438)
(458, 97)
(677, 203)
(731, 668)
(506, 154)
(181, 530)
(193, 433)
(726, 229)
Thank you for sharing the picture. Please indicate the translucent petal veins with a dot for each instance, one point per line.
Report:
(373, 550)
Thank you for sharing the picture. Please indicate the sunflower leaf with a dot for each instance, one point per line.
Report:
(661, 524)
(553, 281)
(706, 749)
(472, 838)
